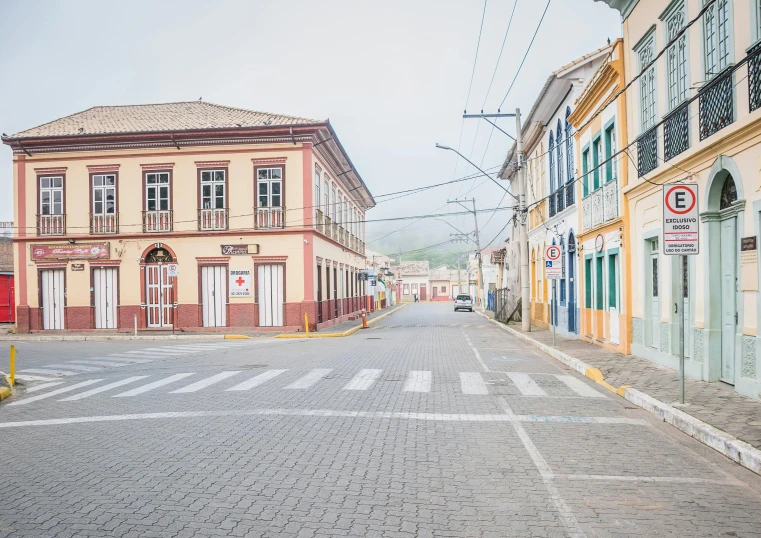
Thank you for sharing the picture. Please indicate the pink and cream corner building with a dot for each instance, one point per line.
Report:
(190, 216)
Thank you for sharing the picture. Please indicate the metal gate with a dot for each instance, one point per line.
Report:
(270, 295)
(214, 295)
(53, 292)
(105, 297)
(159, 296)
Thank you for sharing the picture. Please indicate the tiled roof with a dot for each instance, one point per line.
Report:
(414, 268)
(164, 117)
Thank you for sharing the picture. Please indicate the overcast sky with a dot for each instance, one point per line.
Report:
(391, 76)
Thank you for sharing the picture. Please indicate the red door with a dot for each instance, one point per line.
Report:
(6, 299)
(434, 294)
(422, 292)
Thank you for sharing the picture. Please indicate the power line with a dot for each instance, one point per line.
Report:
(475, 60)
(502, 48)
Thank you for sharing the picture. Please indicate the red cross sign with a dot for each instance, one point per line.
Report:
(240, 282)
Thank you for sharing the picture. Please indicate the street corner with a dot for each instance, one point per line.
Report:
(6, 389)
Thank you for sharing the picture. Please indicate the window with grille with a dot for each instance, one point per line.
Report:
(716, 38)
(676, 56)
(646, 54)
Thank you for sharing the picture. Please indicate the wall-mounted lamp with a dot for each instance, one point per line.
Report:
(71, 241)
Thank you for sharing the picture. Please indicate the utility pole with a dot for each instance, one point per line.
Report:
(459, 278)
(478, 245)
(523, 233)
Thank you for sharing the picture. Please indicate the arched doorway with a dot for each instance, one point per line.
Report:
(723, 222)
(158, 287)
(571, 274)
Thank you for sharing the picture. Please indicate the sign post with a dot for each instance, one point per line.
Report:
(553, 270)
(681, 228)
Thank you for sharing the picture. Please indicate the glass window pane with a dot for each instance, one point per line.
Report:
(219, 189)
(45, 197)
(164, 178)
(44, 182)
(110, 207)
(98, 194)
(205, 191)
(262, 188)
(275, 200)
(276, 188)
(57, 196)
(277, 173)
(262, 201)
(219, 175)
(220, 202)
(57, 182)
(98, 209)
(205, 176)
(110, 180)
(97, 181)
(262, 174)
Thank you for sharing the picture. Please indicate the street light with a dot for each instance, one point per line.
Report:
(477, 168)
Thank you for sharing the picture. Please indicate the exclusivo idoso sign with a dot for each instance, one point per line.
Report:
(681, 221)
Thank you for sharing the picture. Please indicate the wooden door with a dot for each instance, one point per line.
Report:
(422, 292)
(159, 296)
(105, 288)
(728, 299)
(434, 292)
(270, 295)
(53, 298)
(214, 295)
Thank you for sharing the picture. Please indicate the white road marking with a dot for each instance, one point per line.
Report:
(76, 367)
(103, 388)
(363, 380)
(472, 383)
(98, 362)
(23, 377)
(436, 417)
(476, 353)
(653, 479)
(154, 385)
(525, 384)
(42, 386)
(564, 511)
(56, 392)
(130, 359)
(143, 354)
(48, 371)
(579, 387)
(310, 379)
(418, 381)
(257, 380)
(198, 385)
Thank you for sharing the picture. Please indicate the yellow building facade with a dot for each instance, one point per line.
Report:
(190, 216)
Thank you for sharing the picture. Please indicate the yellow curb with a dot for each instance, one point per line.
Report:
(337, 335)
(4, 393)
(594, 374)
(236, 337)
(622, 389)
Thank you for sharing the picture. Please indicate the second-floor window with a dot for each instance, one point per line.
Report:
(611, 166)
(559, 145)
(716, 42)
(317, 175)
(333, 205)
(585, 170)
(104, 194)
(646, 53)
(51, 195)
(597, 157)
(270, 187)
(157, 192)
(339, 209)
(213, 189)
(676, 57)
(552, 162)
(569, 146)
(326, 205)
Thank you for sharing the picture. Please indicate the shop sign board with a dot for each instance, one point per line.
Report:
(71, 251)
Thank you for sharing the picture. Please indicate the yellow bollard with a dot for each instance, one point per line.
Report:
(13, 365)
(306, 322)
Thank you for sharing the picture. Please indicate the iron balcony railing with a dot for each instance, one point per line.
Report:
(647, 151)
(600, 206)
(570, 193)
(560, 203)
(157, 221)
(104, 224)
(754, 77)
(269, 217)
(553, 205)
(676, 131)
(716, 104)
(212, 219)
(320, 221)
(51, 224)
(328, 226)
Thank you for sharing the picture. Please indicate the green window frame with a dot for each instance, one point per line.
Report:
(599, 283)
(610, 137)
(588, 282)
(585, 169)
(596, 147)
(612, 281)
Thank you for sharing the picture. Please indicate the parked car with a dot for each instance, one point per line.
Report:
(463, 302)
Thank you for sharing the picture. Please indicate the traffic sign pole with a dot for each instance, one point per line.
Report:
(552, 311)
(680, 309)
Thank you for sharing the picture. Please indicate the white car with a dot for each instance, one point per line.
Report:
(463, 302)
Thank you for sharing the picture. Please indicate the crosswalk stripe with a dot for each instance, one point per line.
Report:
(43, 386)
(154, 385)
(48, 371)
(198, 385)
(141, 354)
(525, 384)
(472, 383)
(310, 379)
(579, 387)
(76, 367)
(363, 380)
(103, 388)
(96, 362)
(24, 377)
(257, 380)
(57, 392)
(418, 381)
(130, 359)
(189, 348)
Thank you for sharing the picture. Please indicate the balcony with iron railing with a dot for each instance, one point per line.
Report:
(104, 224)
(600, 206)
(328, 226)
(562, 199)
(51, 224)
(157, 221)
(212, 219)
(320, 221)
(269, 217)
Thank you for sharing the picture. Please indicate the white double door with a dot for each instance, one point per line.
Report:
(214, 295)
(270, 295)
(159, 296)
(53, 298)
(105, 296)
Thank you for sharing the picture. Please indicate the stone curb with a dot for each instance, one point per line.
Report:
(724, 443)
(107, 337)
(339, 335)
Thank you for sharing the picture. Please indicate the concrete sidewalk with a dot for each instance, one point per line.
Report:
(711, 406)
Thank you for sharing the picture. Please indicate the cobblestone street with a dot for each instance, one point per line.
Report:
(429, 423)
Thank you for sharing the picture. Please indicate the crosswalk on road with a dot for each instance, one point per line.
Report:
(535, 385)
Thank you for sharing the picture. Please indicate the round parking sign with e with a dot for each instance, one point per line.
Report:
(680, 200)
(681, 220)
(553, 253)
